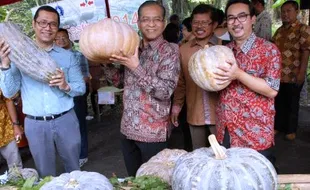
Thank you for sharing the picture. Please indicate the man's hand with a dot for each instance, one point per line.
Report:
(4, 52)
(174, 119)
(131, 62)
(227, 73)
(18, 132)
(59, 80)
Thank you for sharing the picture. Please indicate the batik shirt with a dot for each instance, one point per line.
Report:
(249, 116)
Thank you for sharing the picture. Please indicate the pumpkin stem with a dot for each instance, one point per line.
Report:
(217, 149)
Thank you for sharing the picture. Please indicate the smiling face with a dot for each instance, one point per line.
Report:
(239, 21)
(151, 22)
(45, 27)
(202, 26)
(62, 40)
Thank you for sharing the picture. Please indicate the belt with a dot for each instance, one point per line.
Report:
(46, 118)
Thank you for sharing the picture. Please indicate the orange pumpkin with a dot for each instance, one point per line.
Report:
(100, 40)
(204, 62)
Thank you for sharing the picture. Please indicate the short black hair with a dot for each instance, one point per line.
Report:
(259, 1)
(187, 23)
(291, 2)
(246, 2)
(171, 33)
(150, 3)
(174, 17)
(220, 16)
(48, 9)
(63, 30)
(205, 8)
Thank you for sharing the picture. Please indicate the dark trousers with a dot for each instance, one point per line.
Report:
(80, 108)
(287, 107)
(268, 153)
(188, 146)
(136, 153)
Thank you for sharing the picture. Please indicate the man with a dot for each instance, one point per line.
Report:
(150, 79)
(200, 104)
(293, 40)
(262, 27)
(245, 113)
(50, 119)
(80, 102)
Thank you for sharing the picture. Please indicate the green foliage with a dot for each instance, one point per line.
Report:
(2, 14)
(140, 183)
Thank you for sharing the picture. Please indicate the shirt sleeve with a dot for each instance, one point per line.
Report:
(162, 85)
(179, 94)
(273, 68)
(305, 37)
(10, 81)
(75, 78)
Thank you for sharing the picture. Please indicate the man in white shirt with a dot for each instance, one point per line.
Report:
(262, 27)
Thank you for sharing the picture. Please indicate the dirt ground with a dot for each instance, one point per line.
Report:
(105, 155)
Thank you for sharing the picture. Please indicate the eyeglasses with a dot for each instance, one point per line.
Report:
(156, 21)
(241, 18)
(61, 38)
(201, 23)
(44, 24)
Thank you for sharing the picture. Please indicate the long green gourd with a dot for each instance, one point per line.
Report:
(26, 55)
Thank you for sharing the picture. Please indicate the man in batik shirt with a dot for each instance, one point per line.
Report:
(293, 40)
(245, 113)
(150, 79)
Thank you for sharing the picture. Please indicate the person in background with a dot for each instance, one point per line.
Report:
(171, 33)
(10, 133)
(187, 30)
(245, 112)
(80, 102)
(293, 40)
(150, 77)
(175, 19)
(200, 104)
(263, 24)
(51, 123)
(221, 31)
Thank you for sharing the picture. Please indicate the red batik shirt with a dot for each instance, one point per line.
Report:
(148, 90)
(249, 116)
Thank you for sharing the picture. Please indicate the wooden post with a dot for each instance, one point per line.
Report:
(107, 8)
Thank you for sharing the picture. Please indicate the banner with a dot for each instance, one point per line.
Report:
(76, 14)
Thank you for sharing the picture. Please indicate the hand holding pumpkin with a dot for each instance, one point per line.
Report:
(130, 61)
(4, 52)
(59, 80)
(225, 73)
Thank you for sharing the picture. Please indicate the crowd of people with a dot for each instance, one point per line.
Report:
(159, 94)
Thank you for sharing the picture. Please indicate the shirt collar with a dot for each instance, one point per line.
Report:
(294, 24)
(263, 13)
(248, 44)
(54, 47)
(154, 43)
(213, 41)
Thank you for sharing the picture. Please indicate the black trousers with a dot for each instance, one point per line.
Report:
(287, 107)
(136, 153)
(268, 153)
(80, 108)
(188, 146)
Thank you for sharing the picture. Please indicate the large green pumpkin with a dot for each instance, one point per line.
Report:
(218, 168)
(26, 55)
(79, 180)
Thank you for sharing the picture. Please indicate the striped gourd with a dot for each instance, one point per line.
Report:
(26, 55)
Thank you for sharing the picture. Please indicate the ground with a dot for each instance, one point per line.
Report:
(105, 155)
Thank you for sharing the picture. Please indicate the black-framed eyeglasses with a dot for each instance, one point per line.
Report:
(44, 24)
(201, 23)
(61, 38)
(240, 17)
(149, 20)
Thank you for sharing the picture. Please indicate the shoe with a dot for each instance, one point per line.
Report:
(83, 161)
(290, 136)
(89, 117)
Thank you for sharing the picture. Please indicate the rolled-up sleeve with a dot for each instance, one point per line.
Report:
(75, 78)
